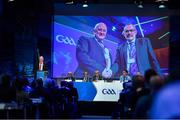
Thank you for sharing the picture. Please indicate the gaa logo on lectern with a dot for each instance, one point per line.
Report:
(108, 92)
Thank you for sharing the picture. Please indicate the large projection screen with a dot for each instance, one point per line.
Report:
(68, 29)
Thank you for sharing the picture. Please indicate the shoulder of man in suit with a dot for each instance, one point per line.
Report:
(142, 39)
(86, 37)
(120, 45)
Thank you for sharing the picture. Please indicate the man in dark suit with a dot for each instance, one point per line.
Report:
(97, 76)
(136, 54)
(92, 55)
(70, 76)
(42, 66)
(40, 69)
(86, 77)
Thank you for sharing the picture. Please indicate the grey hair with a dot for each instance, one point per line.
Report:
(126, 26)
(95, 27)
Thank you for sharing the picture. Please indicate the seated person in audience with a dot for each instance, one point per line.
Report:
(125, 99)
(39, 90)
(130, 95)
(86, 77)
(73, 92)
(144, 103)
(64, 92)
(97, 76)
(70, 76)
(125, 77)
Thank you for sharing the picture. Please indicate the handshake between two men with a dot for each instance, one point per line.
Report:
(107, 73)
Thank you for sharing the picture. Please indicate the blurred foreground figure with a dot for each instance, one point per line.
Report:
(166, 104)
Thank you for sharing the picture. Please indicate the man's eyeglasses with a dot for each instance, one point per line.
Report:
(132, 30)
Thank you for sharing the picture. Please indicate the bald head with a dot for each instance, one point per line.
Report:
(41, 59)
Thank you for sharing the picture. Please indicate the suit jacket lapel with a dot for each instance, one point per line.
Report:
(137, 45)
(101, 50)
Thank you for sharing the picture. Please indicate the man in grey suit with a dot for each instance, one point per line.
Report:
(136, 54)
(92, 55)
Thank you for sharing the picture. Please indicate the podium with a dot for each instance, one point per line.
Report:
(42, 75)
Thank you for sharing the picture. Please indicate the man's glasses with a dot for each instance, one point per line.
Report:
(132, 30)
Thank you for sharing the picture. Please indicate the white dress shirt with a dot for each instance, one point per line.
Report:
(41, 66)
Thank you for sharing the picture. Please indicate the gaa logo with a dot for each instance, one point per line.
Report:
(108, 91)
(65, 40)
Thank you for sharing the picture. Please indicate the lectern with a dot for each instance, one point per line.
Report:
(41, 74)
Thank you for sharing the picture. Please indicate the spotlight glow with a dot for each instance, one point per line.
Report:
(85, 5)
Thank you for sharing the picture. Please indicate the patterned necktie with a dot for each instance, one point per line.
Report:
(132, 55)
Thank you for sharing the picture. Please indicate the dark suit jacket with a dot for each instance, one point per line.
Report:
(145, 57)
(70, 78)
(86, 79)
(98, 78)
(90, 56)
(44, 67)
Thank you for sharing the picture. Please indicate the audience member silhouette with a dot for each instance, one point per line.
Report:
(7, 93)
(144, 103)
(166, 103)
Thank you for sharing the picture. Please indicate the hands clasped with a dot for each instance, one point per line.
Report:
(107, 73)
